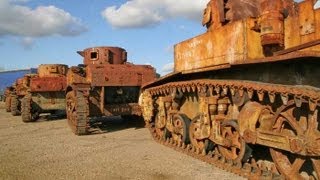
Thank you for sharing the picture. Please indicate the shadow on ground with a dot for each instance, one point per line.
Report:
(110, 124)
(59, 115)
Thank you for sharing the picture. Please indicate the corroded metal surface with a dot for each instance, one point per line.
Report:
(48, 84)
(104, 55)
(52, 70)
(252, 39)
(45, 91)
(245, 95)
(20, 89)
(258, 123)
(107, 83)
(7, 97)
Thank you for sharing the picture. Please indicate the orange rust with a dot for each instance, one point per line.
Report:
(108, 84)
(247, 39)
(259, 60)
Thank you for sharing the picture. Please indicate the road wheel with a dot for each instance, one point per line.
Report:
(237, 150)
(295, 121)
(180, 132)
(195, 128)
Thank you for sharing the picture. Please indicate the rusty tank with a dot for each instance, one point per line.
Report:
(244, 96)
(7, 97)
(104, 85)
(18, 91)
(45, 93)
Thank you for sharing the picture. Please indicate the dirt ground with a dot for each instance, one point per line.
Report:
(120, 149)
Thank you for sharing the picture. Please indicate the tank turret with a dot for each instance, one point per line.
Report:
(104, 55)
(52, 70)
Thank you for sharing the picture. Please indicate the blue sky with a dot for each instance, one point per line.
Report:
(80, 24)
(51, 31)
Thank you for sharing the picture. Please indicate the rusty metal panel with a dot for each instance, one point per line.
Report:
(50, 100)
(306, 21)
(253, 48)
(317, 22)
(291, 27)
(122, 109)
(76, 75)
(244, 41)
(48, 84)
(22, 85)
(103, 55)
(119, 75)
(52, 70)
(208, 49)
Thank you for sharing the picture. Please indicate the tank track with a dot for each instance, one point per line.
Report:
(27, 113)
(79, 125)
(248, 170)
(255, 90)
(15, 105)
(8, 104)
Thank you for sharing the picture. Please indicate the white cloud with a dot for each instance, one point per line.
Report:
(141, 13)
(167, 68)
(317, 5)
(20, 20)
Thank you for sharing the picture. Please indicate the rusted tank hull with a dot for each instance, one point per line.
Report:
(105, 86)
(119, 75)
(237, 43)
(245, 95)
(46, 92)
(48, 84)
(21, 88)
(48, 101)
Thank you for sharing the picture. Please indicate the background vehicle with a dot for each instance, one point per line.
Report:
(46, 92)
(19, 90)
(246, 87)
(105, 85)
(7, 97)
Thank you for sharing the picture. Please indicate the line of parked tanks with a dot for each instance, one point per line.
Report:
(104, 85)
